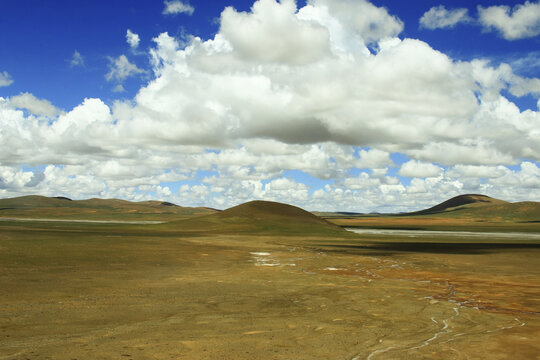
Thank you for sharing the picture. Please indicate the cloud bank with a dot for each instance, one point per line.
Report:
(307, 106)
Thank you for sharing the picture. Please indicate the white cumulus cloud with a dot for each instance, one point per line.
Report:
(132, 39)
(413, 169)
(272, 32)
(120, 69)
(521, 21)
(34, 105)
(360, 18)
(173, 7)
(438, 17)
(14, 179)
(5, 79)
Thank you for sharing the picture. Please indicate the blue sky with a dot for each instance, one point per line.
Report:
(46, 34)
(325, 104)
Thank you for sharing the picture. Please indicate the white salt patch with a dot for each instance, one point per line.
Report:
(264, 259)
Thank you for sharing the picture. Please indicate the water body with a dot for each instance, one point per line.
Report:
(456, 234)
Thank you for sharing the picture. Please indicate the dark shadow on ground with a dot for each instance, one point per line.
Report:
(389, 248)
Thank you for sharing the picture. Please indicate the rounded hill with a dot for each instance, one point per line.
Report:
(266, 210)
(262, 217)
(459, 202)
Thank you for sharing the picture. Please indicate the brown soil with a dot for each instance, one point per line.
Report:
(93, 292)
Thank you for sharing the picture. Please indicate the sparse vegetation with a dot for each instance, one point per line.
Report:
(95, 209)
(260, 217)
(465, 213)
(259, 281)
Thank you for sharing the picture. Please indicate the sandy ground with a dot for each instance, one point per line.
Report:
(79, 294)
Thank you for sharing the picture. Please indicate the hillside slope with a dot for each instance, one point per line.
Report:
(267, 210)
(464, 212)
(35, 206)
(261, 217)
(460, 202)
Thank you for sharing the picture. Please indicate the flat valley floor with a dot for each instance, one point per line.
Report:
(106, 291)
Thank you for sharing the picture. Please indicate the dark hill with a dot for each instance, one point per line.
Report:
(166, 203)
(459, 202)
(62, 198)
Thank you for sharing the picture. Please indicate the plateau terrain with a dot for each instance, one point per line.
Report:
(266, 280)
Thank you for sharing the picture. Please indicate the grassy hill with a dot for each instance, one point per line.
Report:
(459, 203)
(35, 206)
(481, 207)
(463, 212)
(260, 217)
(255, 217)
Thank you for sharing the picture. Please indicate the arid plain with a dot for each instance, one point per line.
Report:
(262, 281)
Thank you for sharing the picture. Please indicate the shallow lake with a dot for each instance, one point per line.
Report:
(456, 234)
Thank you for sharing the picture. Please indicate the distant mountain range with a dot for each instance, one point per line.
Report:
(473, 212)
(103, 209)
(272, 217)
(456, 204)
